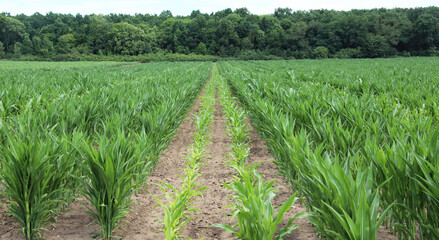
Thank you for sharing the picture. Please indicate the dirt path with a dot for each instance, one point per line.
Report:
(9, 227)
(214, 175)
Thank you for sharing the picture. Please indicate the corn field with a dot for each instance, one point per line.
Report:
(356, 140)
(92, 131)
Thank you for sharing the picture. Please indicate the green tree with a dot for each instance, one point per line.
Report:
(201, 49)
(27, 45)
(426, 32)
(152, 36)
(351, 30)
(196, 31)
(320, 52)
(56, 29)
(275, 37)
(2, 50)
(17, 49)
(282, 13)
(246, 44)
(166, 14)
(36, 45)
(126, 39)
(98, 29)
(243, 12)
(11, 31)
(226, 35)
(376, 46)
(259, 39)
(66, 43)
(46, 46)
(295, 37)
(174, 36)
(394, 27)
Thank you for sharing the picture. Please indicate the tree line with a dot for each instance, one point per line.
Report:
(227, 34)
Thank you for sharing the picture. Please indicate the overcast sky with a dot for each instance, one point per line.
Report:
(185, 7)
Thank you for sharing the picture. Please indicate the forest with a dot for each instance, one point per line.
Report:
(226, 34)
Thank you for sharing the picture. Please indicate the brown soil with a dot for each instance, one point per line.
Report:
(140, 222)
(214, 175)
(9, 227)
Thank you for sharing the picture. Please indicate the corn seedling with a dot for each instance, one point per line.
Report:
(257, 217)
(178, 206)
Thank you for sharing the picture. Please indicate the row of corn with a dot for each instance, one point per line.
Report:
(178, 205)
(257, 217)
(361, 158)
(92, 133)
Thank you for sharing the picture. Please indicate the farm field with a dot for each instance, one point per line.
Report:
(354, 143)
(95, 132)
(357, 138)
(21, 65)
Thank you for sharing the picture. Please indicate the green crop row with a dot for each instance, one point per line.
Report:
(361, 153)
(178, 207)
(92, 132)
(257, 217)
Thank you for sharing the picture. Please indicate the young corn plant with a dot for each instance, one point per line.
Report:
(428, 180)
(257, 217)
(237, 129)
(179, 203)
(109, 179)
(345, 208)
(178, 206)
(33, 179)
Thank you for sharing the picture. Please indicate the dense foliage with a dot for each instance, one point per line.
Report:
(97, 131)
(226, 33)
(357, 138)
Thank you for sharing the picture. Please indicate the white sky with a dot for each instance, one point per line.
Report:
(185, 7)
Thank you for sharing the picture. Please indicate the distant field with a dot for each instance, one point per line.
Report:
(53, 65)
